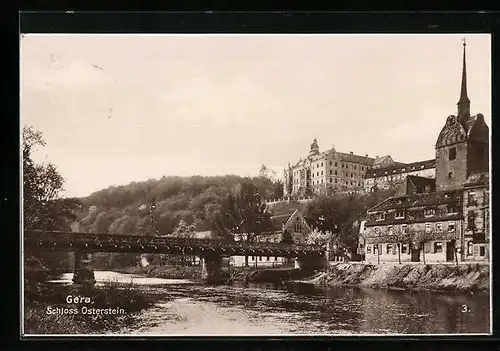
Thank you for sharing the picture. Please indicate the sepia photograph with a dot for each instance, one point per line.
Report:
(255, 184)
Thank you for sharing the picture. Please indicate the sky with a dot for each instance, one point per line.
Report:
(120, 108)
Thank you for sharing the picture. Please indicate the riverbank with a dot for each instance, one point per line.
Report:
(164, 271)
(52, 309)
(415, 277)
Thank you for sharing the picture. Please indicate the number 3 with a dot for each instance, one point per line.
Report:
(465, 308)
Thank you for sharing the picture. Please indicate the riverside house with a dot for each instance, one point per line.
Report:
(444, 219)
(476, 215)
(293, 222)
(416, 225)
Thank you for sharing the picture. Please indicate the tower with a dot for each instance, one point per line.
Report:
(462, 144)
(314, 148)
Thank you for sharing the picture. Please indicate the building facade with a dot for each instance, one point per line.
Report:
(328, 172)
(394, 175)
(293, 222)
(445, 219)
(476, 214)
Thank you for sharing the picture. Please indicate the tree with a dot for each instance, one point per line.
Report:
(242, 215)
(286, 237)
(43, 206)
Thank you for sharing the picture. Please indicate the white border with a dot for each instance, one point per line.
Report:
(135, 336)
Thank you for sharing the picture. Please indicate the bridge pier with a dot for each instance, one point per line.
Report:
(311, 262)
(211, 268)
(83, 272)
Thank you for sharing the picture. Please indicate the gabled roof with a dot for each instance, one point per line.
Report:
(380, 160)
(416, 185)
(280, 220)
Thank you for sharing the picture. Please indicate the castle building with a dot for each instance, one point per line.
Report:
(394, 175)
(329, 172)
(445, 219)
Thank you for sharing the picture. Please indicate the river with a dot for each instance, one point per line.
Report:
(189, 308)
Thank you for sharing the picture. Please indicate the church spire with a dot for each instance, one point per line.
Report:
(464, 102)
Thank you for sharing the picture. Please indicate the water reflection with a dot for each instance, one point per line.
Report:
(257, 309)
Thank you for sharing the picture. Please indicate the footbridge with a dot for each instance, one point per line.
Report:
(210, 250)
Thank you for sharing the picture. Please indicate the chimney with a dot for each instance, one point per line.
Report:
(376, 156)
(366, 155)
(351, 152)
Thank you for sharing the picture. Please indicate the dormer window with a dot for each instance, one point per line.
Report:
(452, 210)
(429, 212)
(381, 216)
(400, 214)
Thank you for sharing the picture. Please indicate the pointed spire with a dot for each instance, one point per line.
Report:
(464, 102)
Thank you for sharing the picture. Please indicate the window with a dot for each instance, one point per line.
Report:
(405, 228)
(438, 247)
(404, 248)
(429, 212)
(260, 258)
(352, 175)
(331, 172)
(481, 250)
(330, 163)
(369, 249)
(275, 258)
(470, 247)
(331, 180)
(336, 172)
(321, 164)
(389, 229)
(321, 172)
(298, 228)
(486, 197)
(335, 164)
(335, 179)
(452, 209)
(427, 227)
(362, 168)
(471, 198)
(450, 175)
(471, 220)
(354, 167)
(452, 153)
(400, 214)
(451, 227)
(389, 248)
(439, 227)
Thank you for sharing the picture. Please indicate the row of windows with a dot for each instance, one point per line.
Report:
(268, 258)
(428, 228)
(401, 214)
(436, 248)
(346, 182)
(342, 165)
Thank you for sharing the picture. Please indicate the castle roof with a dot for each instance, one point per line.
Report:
(401, 168)
(416, 185)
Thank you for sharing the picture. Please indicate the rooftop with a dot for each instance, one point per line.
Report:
(417, 200)
(401, 168)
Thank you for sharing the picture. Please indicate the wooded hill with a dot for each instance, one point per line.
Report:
(127, 209)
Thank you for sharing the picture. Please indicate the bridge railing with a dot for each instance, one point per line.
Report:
(111, 239)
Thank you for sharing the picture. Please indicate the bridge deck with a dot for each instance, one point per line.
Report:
(64, 241)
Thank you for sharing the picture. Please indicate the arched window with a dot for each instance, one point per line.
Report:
(469, 248)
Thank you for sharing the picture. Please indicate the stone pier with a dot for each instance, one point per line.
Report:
(212, 270)
(83, 273)
(318, 262)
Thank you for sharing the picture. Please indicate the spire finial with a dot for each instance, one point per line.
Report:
(464, 102)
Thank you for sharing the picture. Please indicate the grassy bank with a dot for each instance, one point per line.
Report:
(47, 311)
(438, 277)
(164, 271)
